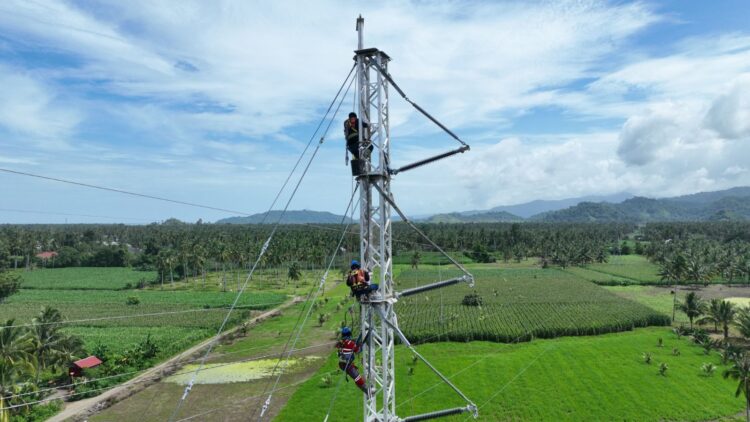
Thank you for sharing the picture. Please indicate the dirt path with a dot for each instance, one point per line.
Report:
(80, 410)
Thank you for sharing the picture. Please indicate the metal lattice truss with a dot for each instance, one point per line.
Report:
(375, 231)
(378, 319)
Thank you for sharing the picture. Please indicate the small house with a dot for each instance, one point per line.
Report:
(77, 367)
(46, 255)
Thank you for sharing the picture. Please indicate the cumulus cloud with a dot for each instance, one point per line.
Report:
(211, 98)
(273, 69)
(729, 114)
(656, 134)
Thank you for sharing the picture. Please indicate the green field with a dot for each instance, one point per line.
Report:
(430, 258)
(635, 268)
(572, 378)
(230, 398)
(517, 305)
(171, 339)
(95, 296)
(84, 278)
(599, 277)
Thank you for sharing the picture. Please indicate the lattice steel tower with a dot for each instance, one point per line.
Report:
(373, 175)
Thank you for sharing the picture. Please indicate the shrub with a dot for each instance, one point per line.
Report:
(647, 357)
(326, 381)
(132, 300)
(663, 369)
(708, 369)
(472, 299)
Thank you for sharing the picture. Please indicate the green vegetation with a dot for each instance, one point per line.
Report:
(86, 278)
(516, 305)
(516, 381)
(539, 286)
(170, 339)
(634, 268)
(430, 258)
(9, 284)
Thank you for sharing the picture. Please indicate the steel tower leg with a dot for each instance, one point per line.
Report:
(375, 231)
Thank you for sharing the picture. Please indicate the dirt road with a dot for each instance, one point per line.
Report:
(80, 410)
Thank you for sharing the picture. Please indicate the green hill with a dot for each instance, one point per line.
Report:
(290, 217)
(706, 206)
(485, 217)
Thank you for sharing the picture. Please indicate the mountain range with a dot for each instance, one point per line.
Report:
(729, 204)
(290, 217)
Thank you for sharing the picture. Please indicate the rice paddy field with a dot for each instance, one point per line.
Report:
(83, 278)
(517, 304)
(100, 310)
(543, 360)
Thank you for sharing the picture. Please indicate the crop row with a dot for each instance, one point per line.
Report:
(512, 323)
(84, 278)
(517, 305)
(196, 299)
(122, 315)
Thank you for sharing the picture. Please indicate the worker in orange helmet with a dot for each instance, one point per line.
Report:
(359, 281)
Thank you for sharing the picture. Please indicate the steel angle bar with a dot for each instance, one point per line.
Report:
(436, 285)
(429, 160)
(393, 83)
(441, 413)
(408, 344)
(406, 220)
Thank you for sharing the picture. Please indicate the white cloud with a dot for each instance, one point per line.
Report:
(729, 115)
(31, 110)
(209, 95)
(275, 65)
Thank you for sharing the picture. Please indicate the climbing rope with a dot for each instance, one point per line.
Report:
(263, 250)
(311, 299)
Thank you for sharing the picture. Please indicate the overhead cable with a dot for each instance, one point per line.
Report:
(312, 299)
(257, 261)
(141, 195)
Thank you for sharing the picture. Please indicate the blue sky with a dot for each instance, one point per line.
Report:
(211, 102)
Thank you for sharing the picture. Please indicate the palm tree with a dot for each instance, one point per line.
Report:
(16, 363)
(740, 371)
(712, 314)
(742, 321)
(697, 270)
(51, 346)
(415, 258)
(726, 315)
(294, 272)
(673, 270)
(693, 307)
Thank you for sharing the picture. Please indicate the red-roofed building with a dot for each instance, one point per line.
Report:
(76, 369)
(46, 255)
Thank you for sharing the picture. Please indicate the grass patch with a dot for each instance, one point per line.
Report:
(631, 267)
(79, 278)
(170, 339)
(570, 378)
(599, 277)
